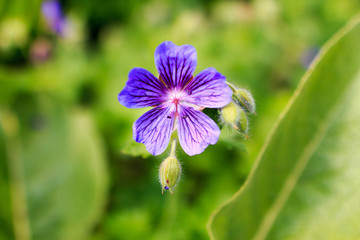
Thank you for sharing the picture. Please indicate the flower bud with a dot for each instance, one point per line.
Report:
(235, 117)
(229, 113)
(242, 123)
(244, 99)
(170, 170)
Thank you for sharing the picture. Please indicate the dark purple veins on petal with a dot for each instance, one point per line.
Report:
(176, 64)
(209, 89)
(196, 131)
(154, 129)
(142, 89)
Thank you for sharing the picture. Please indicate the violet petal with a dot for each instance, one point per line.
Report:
(208, 89)
(154, 129)
(142, 89)
(54, 16)
(52, 9)
(176, 64)
(196, 130)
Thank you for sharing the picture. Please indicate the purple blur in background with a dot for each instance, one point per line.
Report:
(52, 12)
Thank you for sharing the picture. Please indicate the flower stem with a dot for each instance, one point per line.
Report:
(231, 86)
(173, 146)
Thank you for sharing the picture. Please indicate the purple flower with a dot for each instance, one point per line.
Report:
(54, 17)
(177, 98)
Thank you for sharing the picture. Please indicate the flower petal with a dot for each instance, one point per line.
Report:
(142, 89)
(154, 129)
(176, 64)
(196, 131)
(208, 89)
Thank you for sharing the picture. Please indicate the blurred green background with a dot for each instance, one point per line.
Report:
(69, 168)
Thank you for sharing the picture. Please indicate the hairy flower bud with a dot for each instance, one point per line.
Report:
(235, 117)
(229, 113)
(242, 123)
(244, 99)
(170, 171)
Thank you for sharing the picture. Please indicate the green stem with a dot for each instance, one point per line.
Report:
(231, 86)
(20, 218)
(173, 147)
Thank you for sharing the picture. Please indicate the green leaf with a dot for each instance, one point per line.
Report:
(53, 167)
(305, 182)
(135, 149)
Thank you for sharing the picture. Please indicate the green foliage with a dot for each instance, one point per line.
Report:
(263, 46)
(53, 179)
(305, 183)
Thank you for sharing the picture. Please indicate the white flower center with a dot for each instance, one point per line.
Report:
(175, 97)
